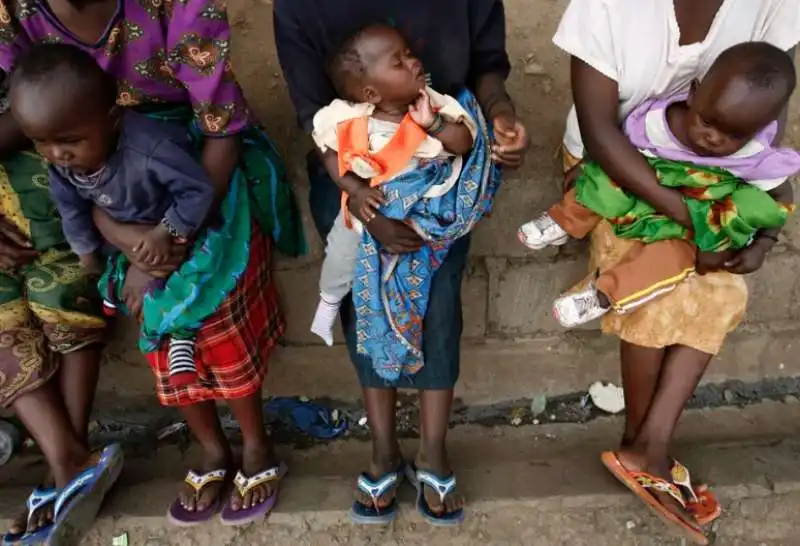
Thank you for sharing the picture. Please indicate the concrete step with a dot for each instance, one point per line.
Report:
(491, 372)
(529, 485)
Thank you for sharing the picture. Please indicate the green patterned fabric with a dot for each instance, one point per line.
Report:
(726, 212)
(258, 191)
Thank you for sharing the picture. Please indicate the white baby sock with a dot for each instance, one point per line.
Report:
(325, 318)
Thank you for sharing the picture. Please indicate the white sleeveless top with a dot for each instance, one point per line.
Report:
(636, 43)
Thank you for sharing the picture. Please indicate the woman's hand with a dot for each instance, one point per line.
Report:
(709, 262)
(127, 236)
(396, 237)
(511, 140)
(136, 283)
(15, 248)
(749, 259)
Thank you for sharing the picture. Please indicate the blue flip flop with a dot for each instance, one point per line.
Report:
(443, 487)
(37, 500)
(363, 514)
(79, 502)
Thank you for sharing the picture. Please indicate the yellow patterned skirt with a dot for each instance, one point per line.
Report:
(48, 307)
(700, 313)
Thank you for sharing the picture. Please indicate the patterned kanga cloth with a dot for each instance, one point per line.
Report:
(726, 212)
(390, 292)
(48, 306)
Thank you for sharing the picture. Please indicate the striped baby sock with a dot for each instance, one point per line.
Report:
(182, 368)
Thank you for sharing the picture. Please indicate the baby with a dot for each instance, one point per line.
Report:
(386, 123)
(136, 169)
(713, 144)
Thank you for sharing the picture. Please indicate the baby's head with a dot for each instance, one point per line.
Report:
(746, 89)
(65, 103)
(375, 65)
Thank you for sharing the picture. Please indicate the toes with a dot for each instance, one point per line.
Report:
(236, 502)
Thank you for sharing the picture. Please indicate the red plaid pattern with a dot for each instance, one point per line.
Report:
(233, 346)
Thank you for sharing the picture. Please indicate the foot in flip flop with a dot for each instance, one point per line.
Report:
(700, 500)
(256, 489)
(660, 495)
(36, 524)
(437, 500)
(200, 497)
(79, 501)
(376, 497)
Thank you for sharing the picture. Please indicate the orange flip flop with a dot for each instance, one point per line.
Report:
(702, 502)
(640, 482)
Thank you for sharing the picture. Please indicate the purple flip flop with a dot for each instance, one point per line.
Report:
(244, 485)
(180, 516)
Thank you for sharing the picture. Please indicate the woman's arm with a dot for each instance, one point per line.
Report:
(596, 100)
(220, 156)
(784, 117)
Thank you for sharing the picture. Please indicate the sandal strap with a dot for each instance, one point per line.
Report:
(443, 487)
(198, 482)
(38, 499)
(377, 488)
(648, 481)
(246, 484)
(682, 478)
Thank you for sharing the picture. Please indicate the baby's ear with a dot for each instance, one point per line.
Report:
(371, 95)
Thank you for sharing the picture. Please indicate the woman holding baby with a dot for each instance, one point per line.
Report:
(624, 52)
(171, 61)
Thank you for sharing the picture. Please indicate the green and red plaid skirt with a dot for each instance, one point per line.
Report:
(234, 344)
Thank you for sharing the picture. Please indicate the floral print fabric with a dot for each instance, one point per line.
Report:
(160, 51)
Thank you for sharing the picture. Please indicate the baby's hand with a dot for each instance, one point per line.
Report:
(91, 264)
(422, 112)
(367, 201)
(154, 248)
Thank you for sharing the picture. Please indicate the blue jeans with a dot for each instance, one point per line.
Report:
(441, 342)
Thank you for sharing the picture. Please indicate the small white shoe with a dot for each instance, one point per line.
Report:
(542, 232)
(576, 308)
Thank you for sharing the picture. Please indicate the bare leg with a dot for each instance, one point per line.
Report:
(682, 370)
(205, 426)
(258, 451)
(78, 377)
(44, 415)
(434, 417)
(641, 368)
(386, 456)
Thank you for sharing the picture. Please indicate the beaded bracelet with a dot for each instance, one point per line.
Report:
(437, 126)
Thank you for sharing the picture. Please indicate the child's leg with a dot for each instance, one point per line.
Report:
(386, 456)
(434, 418)
(577, 220)
(646, 272)
(258, 452)
(565, 219)
(336, 279)
(182, 366)
(205, 426)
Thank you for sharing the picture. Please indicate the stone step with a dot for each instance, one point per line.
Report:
(530, 485)
(491, 372)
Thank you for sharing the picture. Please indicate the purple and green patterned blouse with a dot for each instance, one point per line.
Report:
(160, 51)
